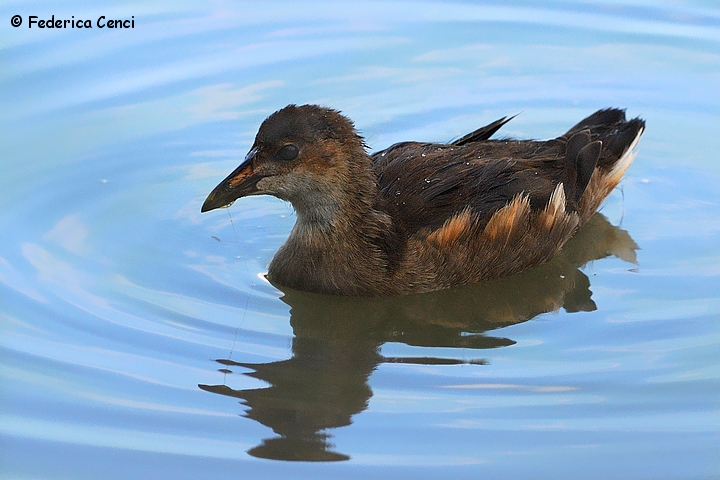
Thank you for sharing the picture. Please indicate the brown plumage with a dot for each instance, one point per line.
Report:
(418, 217)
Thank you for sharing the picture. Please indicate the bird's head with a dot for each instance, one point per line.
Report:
(302, 154)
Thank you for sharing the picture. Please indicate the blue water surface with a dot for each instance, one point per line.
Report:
(139, 338)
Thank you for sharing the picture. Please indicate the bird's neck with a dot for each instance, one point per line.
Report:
(337, 236)
(339, 201)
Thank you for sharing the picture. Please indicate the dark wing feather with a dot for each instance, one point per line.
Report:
(426, 184)
(482, 133)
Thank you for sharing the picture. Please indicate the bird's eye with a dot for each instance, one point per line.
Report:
(288, 152)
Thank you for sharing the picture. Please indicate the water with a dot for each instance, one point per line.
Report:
(140, 340)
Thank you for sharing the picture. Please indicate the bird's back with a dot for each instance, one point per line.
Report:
(428, 183)
(477, 208)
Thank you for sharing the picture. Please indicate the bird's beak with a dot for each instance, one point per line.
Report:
(240, 183)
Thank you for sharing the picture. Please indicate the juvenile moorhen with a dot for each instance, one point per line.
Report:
(418, 216)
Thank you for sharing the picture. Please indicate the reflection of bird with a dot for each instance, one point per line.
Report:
(338, 341)
(418, 217)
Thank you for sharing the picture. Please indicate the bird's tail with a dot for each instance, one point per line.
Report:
(602, 147)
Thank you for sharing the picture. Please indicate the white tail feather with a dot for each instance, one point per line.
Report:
(626, 159)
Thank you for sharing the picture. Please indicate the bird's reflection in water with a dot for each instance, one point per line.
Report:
(338, 339)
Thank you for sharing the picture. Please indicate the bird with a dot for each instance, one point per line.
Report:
(420, 216)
